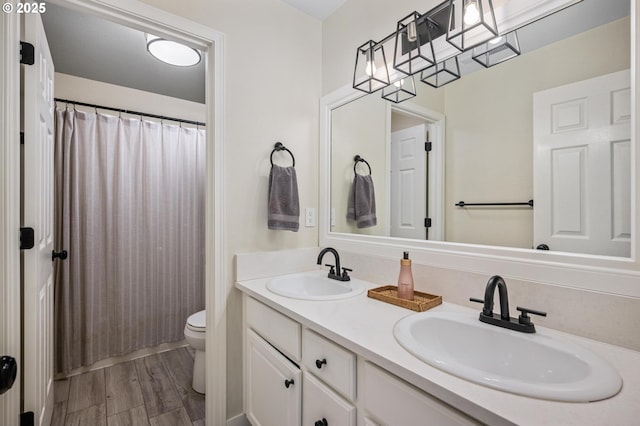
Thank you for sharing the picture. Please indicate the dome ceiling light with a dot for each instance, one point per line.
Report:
(172, 52)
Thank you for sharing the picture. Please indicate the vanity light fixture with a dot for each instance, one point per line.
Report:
(401, 90)
(497, 50)
(172, 52)
(413, 48)
(441, 73)
(471, 23)
(370, 73)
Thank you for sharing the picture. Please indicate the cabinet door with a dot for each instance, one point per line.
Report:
(273, 385)
(393, 402)
(322, 406)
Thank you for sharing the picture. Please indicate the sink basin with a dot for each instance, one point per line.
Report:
(539, 365)
(315, 286)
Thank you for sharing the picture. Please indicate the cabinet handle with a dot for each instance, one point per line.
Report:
(288, 383)
(322, 422)
(319, 363)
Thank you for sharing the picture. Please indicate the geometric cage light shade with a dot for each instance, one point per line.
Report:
(471, 23)
(413, 49)
(370, 73)
(497, 50)
(442, 73)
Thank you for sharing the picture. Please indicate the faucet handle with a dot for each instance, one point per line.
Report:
(332, 269)
(475, 299)
(345, 274)
(524, 318)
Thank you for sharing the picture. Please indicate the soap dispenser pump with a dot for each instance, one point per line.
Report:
(405, 278)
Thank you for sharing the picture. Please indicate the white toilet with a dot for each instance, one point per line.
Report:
(194, 333)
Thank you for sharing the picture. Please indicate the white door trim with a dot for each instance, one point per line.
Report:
(10, 205)
(141, 16)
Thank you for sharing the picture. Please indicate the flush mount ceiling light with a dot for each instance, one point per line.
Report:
(497, 50)
(172, 52)
(471, 22)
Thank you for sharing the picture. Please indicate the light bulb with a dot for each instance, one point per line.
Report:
(495, 40)
(399, 82)
(412, 33)
(471, 13)
(370, 69)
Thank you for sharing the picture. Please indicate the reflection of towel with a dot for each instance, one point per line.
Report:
(284, 207)
(362, 202)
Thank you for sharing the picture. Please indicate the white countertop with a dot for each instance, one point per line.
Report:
(365, 326)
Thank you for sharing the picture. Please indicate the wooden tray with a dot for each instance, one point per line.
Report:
(420, 303)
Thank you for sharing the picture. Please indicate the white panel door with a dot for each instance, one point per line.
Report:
(37, 213)
(408, 183)
(582, 168)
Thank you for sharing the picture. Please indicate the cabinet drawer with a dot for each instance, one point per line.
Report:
(319, 402)
(391, 401)
(332, 363)
(279, 330)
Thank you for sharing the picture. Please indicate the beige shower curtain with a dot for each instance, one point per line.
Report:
(130, 211)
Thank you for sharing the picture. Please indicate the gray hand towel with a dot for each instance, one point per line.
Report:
(284, 206)
(362, 202)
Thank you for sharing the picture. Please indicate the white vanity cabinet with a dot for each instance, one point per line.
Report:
(328, 385)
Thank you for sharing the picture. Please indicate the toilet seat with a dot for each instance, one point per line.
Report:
(197, 321)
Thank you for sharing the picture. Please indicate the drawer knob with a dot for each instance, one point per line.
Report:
(319, 363)
(322, 422)
(288, 383)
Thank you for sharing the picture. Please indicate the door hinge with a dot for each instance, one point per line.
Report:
(27, 419)
(21, 138)
(26, 238)
(428, 146)
(27, 53)
(427, 222)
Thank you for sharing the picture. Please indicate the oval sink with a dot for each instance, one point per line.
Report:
(538, 365)
(315, 285)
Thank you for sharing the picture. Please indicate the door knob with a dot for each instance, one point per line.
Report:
(322, 422)
(8, 373)
(62, 255)
(542, 247)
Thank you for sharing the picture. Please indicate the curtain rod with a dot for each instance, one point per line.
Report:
(126, 111)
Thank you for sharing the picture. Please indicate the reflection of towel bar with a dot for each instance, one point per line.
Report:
(463, 204)
(357, 159)
(279, 147)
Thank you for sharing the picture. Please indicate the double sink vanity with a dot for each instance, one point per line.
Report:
(319, 352)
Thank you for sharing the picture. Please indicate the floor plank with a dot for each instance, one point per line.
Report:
(179, 364)
(61, 390)
(159, 393)
(200, 422)
(59, 413)
(94, 416)
(122, 388)
(134, 417)
(178, 417)
(86, 390)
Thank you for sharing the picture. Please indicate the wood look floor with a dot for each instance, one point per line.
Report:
(150, 391)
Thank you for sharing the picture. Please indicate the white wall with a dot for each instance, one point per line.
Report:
(96, 92)
(272, 88)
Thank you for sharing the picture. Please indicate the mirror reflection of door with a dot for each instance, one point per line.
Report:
(408, 175)
(582, 169)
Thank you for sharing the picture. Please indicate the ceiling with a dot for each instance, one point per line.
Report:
(89, 47)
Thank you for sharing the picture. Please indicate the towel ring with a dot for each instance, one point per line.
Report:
(357, 159)
(279, 147)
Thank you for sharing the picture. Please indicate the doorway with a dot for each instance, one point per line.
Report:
(145, 18)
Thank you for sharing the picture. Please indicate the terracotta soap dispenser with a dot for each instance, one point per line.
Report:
(405, 278)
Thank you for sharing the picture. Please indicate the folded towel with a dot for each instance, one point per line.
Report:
(284, 206)
(362, 202)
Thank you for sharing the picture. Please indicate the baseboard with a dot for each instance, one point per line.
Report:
(125, 358)
(239, 420)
